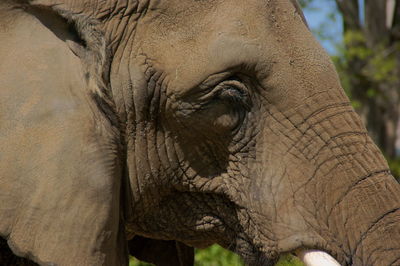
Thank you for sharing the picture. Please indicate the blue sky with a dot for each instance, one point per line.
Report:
(318, 16)
(323, 16)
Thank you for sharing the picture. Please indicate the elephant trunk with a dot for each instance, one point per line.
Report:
(359, 201)
(358, 215)
(340, 187)
(366, 220)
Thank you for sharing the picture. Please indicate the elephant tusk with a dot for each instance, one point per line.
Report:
(316, 258)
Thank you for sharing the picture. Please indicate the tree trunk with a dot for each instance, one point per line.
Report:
(378, 96)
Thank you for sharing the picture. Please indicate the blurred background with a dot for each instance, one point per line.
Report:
(363, 40)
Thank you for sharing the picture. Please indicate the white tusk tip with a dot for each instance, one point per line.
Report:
(316, 258)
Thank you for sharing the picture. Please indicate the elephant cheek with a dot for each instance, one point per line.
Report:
(266, 175)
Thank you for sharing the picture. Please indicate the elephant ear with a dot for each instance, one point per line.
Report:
(60, 175)
(161, 252)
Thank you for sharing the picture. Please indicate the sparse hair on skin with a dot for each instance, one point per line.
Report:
(94, 54)
(92, 49)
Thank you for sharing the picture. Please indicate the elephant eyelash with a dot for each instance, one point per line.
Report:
(228, 90)
(232, 91)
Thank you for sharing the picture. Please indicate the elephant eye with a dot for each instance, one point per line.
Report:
(225, 105)
(234, 92)
(218, 105)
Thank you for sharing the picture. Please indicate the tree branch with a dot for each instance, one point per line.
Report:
(351, 15)
(375, 21)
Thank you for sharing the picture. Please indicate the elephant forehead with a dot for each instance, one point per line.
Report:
(221, 54)
(200, 42)
(190, 42)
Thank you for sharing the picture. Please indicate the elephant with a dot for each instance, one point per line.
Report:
(152, 127)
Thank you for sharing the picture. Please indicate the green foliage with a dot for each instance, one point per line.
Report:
(305, 3)
(394, 166)
(380, 62)
(217, 256)
(289, 260)
(135, 262)
(356, 47)
(382, 66)
(374, 66)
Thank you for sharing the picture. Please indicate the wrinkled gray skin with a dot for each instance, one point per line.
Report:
(199, 121)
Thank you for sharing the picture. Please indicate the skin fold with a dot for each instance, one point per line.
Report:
(152, 127)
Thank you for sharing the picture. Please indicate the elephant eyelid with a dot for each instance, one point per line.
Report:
(215, 79)
(232, 90)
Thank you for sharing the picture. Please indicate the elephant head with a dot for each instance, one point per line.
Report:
(196, 121)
